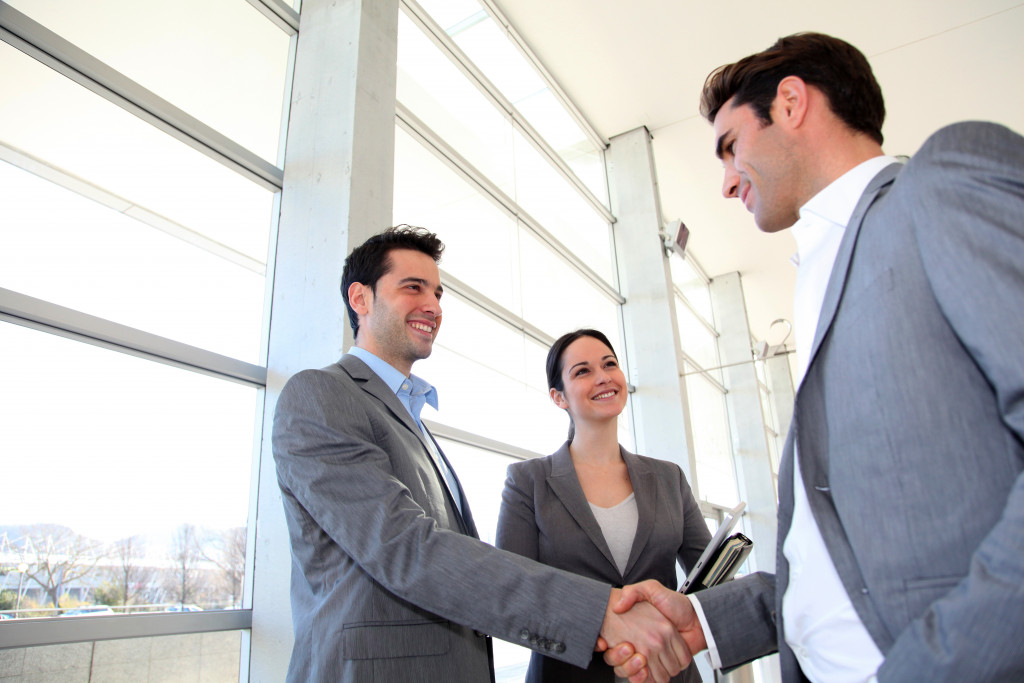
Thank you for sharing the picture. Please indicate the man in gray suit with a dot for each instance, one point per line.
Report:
(901, 494)
(389, 580)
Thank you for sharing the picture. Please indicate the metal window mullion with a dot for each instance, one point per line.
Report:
(477, 441)
(281, 15)
(702, 372)
(686, 302)
(44, 316)
(496, 14)
(466, 65)
(494, 309)
(17, 633)
(48, 48)
(84, 188)
(408, 121)
(697, 267)
(563, 168)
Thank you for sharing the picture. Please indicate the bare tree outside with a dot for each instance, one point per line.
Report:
(57, 556)
(226, 550)
(130, 575)
(185, 553)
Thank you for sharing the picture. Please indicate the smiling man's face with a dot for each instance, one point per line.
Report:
(760, 168)
(403, 311)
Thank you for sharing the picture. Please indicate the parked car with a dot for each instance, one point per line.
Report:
(88, 610)
(184, 608)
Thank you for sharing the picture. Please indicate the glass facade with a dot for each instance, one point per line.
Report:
(139, 196)
(140, 199)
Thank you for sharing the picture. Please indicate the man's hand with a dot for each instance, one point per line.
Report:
(676, 607)
(652, 636)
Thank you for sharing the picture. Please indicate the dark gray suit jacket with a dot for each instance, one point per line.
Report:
(389, 582)
(545, 517)
(910, 423)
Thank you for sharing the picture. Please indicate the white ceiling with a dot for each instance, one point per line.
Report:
(631, 63)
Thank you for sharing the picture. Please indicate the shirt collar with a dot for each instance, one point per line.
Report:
(395, 379)
(836, 202)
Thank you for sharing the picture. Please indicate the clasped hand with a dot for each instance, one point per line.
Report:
(654, 632)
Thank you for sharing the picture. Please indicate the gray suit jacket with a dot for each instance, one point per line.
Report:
(388, 581)
(910, 423)
(545, 517)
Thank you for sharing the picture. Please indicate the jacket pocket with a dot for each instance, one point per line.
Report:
(921, 593)
(381, 640)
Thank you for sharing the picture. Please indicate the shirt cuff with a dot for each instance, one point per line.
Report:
(716, 661)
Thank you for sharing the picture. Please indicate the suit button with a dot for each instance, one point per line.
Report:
(558, 648)
(524, 635)
(534, 640)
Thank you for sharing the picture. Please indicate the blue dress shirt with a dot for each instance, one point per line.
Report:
(413, 392)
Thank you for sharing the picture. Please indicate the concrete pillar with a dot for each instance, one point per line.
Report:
(338, 187)
(746, 421)
(781, 394)
(660, 415)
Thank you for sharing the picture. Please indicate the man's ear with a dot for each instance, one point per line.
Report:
(790, 105)
(557, 398)
(360, 298)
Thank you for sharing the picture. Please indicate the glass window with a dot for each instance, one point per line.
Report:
(480, 238)
(697, 340)
(104, 450)
(711, 442)
(558, 207)
(228, 67)
(493, 52)
(556, 298)
(441, 96)
(692, 286)
(159, 237)
(487, 388)
(482, 474)
(125, 156)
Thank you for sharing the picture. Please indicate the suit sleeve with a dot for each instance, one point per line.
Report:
(517, 521)
(741, 617)
(969, 220)
(696, 535)
(328, 460)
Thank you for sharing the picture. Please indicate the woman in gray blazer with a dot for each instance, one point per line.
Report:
(592, 507)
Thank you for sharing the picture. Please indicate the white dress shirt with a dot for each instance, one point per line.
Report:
(821, 626)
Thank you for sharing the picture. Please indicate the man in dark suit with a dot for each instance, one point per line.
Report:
(389, 581)
(901, 494)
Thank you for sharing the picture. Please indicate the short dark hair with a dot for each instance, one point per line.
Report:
(554, 360)
(371, 260)
(832, 65)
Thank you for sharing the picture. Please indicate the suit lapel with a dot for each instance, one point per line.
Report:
(829, 306)
(645, 492)
(837, 281)
(566, 486)
(808, 433)
(372, 384)
(466, 514)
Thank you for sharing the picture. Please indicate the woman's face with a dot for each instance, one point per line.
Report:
(594, 385)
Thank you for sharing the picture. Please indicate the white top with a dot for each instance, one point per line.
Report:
(618, 525)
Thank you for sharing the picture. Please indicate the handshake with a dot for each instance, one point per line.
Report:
(649, 633)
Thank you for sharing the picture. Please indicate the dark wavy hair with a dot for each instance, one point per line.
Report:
(835, 67)
(371, 260)
(553, 366)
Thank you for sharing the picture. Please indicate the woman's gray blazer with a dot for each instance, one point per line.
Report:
(545, 517)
